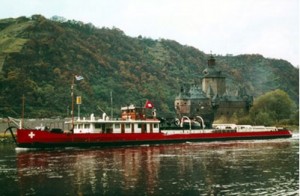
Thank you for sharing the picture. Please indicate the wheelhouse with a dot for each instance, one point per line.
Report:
(133, 120)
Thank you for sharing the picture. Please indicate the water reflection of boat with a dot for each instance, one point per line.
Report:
(122, 170)
(135, 128)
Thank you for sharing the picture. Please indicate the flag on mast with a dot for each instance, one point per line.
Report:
(148, 104)
(78, 77)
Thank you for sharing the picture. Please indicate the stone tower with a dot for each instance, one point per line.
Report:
(213, 81)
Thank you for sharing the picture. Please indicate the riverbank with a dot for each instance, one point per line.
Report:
(6, 138)
(32, 123)
(51, 123)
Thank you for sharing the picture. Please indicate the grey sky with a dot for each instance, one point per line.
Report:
(267, 27)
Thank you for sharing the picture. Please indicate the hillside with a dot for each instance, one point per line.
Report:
(38, 58)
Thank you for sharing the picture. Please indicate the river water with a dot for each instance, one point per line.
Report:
(256, 167)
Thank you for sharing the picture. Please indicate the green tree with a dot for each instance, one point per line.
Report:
(272, 107)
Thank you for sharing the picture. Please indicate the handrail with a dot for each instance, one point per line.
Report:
(202, 121)
(17, 122)
(188, 120)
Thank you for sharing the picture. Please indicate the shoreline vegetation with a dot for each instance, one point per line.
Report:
(39, 56)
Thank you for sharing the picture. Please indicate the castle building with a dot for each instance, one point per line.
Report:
(210, 99)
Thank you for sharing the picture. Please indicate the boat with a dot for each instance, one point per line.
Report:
(135, 127)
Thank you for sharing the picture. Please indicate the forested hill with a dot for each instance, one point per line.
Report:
(39, 56)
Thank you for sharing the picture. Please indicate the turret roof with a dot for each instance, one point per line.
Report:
(211, 70)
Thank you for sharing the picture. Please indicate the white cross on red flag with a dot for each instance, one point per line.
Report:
(148, 104)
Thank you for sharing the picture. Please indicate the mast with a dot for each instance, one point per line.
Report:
(77, 77)
(72, 95)
(111, 105)
(23, 111)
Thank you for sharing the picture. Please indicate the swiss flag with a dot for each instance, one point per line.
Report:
(148, 104)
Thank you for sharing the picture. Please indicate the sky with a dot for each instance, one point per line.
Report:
(266, 27)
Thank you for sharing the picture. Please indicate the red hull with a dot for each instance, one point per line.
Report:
(43, 139)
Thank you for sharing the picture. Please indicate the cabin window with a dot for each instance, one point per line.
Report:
(117, 126)
(122, 128)
(98, 126)
(127, 126)
(155, 125)
(151, 128)
(143, 127)
(86, 126)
